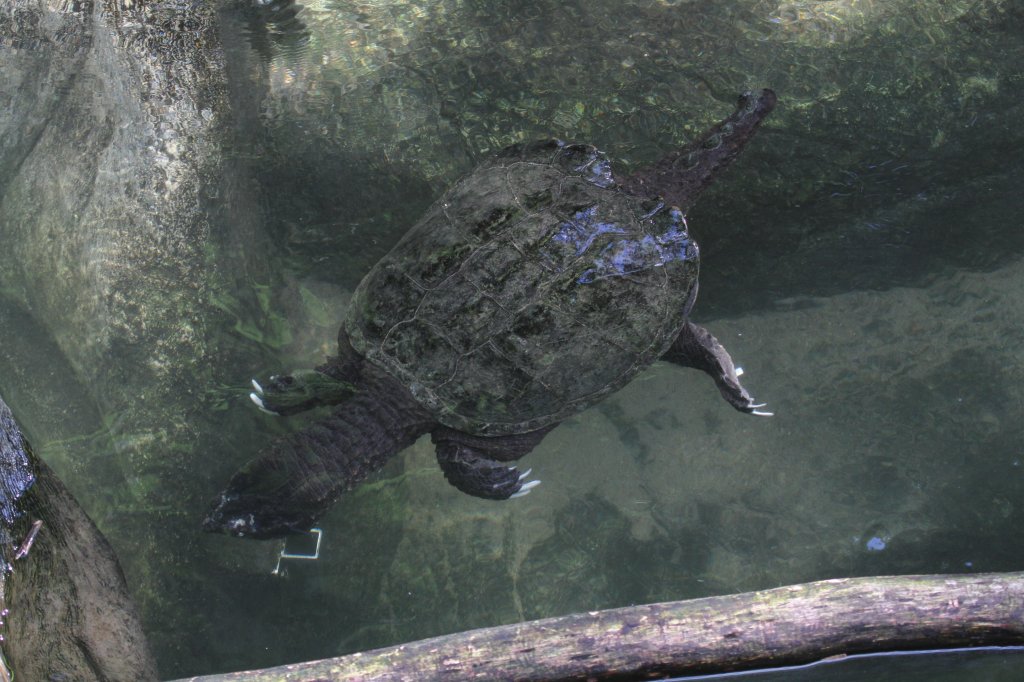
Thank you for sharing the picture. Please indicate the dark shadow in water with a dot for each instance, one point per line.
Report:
(928, 222)
(593, 555)
(275, 27)
(335, 216)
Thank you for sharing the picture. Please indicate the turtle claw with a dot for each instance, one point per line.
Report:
(524, 474)
(753, 409)
(525, 490)
(258, 401)
(257, 398)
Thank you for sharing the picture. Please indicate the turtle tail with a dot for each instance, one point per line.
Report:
(680, 177)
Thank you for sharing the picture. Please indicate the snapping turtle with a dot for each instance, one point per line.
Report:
(536, 286)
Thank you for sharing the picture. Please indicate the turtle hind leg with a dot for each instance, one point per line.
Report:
(478, 465)
(695, 347)
(479, 476)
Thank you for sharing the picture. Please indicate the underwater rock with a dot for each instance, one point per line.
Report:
(126, 218)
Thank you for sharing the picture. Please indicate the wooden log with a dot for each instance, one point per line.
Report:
(782, 626)
(63, 596)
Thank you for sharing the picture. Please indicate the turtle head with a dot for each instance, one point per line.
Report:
(233, 516)
(753, 107)
(243, 523)
(252, 506)
(682, 175)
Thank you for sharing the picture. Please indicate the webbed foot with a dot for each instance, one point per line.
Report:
(291, 393)
(696, 347)
(475, 474)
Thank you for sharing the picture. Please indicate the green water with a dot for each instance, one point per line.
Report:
(862, 261)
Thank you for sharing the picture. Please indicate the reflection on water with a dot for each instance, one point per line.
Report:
(990, 665)
(275, 30)
(862, 262)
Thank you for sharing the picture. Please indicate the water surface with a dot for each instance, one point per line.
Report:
(862, 262)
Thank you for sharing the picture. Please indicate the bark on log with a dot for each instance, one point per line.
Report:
(783, 626)
(63, 596)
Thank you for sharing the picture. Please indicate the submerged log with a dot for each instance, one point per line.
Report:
(782, 626)
(65, 607)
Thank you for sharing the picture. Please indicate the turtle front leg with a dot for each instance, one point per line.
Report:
(477, 465)
(695, 347)
(303, 390)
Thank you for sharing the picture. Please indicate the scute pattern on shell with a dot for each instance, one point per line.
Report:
(530, 290)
